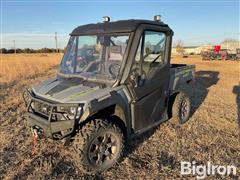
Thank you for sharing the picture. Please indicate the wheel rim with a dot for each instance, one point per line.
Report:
(103, 149)
(184, 109)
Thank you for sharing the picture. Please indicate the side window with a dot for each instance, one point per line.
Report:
(153, 53)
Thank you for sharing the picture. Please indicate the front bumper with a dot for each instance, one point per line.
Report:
(54, 130)
(47, 125)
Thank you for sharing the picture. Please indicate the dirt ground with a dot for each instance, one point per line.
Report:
(211, 134)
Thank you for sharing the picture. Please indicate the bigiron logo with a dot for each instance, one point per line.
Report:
(202, 171)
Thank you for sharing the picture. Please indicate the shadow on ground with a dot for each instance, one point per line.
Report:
(199, 89)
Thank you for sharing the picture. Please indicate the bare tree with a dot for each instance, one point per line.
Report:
(179, 47)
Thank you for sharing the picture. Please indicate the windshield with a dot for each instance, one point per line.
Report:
(94, 56)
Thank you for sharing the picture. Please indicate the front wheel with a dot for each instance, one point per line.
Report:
(181, 107)
(98, 146)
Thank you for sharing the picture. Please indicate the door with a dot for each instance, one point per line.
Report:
(151, 69)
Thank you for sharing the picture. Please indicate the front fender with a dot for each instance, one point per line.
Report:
(114, 98)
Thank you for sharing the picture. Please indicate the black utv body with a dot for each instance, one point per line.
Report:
(115, 81)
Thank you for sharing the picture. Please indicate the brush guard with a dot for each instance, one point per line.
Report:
(47, 124)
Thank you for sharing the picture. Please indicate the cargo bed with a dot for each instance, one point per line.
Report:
(180, 74)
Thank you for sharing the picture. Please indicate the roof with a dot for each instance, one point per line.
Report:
(113, 27)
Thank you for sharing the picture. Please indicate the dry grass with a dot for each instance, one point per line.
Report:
(15, 67)
(211, 134)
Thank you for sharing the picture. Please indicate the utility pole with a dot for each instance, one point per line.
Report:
(14, 46)
(56, 42)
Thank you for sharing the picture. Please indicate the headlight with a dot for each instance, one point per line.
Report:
(70, 111)
(41, 107)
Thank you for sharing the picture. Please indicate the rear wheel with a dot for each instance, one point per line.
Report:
(181, 108)
(97, 146)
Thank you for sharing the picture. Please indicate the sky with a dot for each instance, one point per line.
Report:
(32, 24)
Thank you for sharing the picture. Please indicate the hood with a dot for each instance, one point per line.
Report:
(68, 89)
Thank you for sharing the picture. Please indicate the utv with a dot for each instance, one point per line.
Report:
(121, 86)
(209, 55)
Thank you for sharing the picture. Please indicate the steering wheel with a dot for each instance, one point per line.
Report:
(114, 69)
